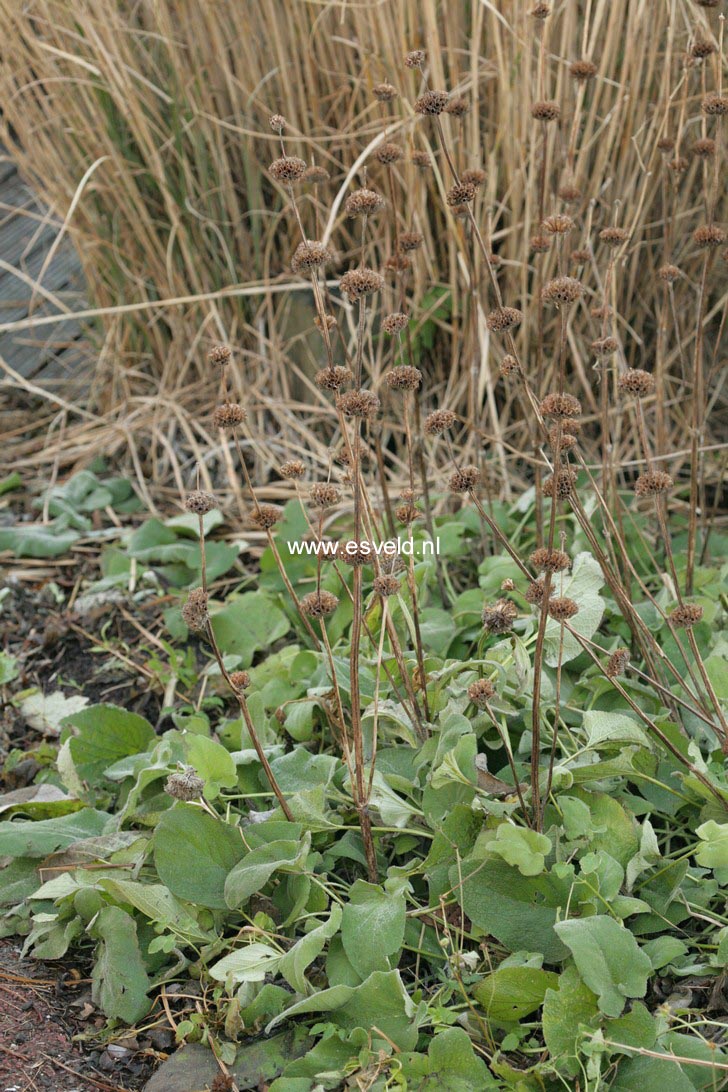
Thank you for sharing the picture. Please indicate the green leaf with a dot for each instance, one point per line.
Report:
(32, 540)
(158, 904)
(214, 764)
(511, 993)
(302, 954)
(450, 1065)
(583, 586)
(612, 728)
(8, 668)
(251, 963)
(194, 854)
(248, 623)
(105, 733)
(46, 712)
(566, 1011)
(25, 838)
(526, 849)
(608, 959)
(255, 869)
(119, 981)
(713, 853)
(372, 927)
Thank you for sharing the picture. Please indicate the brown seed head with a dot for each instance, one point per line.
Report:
(185, 785)
(509, 366)
(500, 616)
(563, 481)
(637, 382)
(310, 255)
(403, 378)
(228, 415)
(397, 263)
(432, 102)
(407, 513)
(550, 561)
(199, 502)
(415, 58)
(319, 604)
(580, 257)
(355, 553)
(329, 322)
(685, 616)
(359, 403)
(333, 379)
(583, 70)
(562, 290)
(535, 592)
(669, 273)
(389, 153)
(464, 479)
(439, 421)
(480, 692)
(540, 10)
(458, 107)
(266, 516)
(503, 318)
(560, 405)
(665, 145)
(613, 236)
(363, 202)
(315, 175)
(508, 584)
(617, 663)
(604, 347)
(476, 176)
(701, 48)
(460, 194)
(385, 585)
(546, 110)
(562, 608)
(652, 483)
(421, 159)
(292, 470)
(324, 495)
(558, 225)
(385, 92)
(564, 441)
(540, 244)
(287, 169)
(357, 283)
(277, 123)
(410, 240)
(395, 323)
(570, 193)
(715, 106)
(239, 680)
(704, 148)
(709, 236)
(194, 611)
(220, 355)
(679, 164)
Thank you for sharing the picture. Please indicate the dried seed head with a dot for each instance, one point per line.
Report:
(421, 159)
(546, 110)
(410, 240)
(570, 193)
(637, 382)
(415, 58)
(617, 663)
(704, 148)
(385, 92)
(287, 169)
(199, 502)
(540, 10)
(333, 379)
(315, 175)
(503, 318)
(324, 495)
(389, 153)
(277, 123)
(562, 290)
(432, 102)
(480, 692)
(358, 283)
(550, 561)
(363, 202)
(564, 441)
(715, 106)
(239, 680)
(563, 481)
(395, 323)
(679, 164)
(397, 263)
(540, 244)
(560, 405)
(385, 586)
(407, 513)
(458, 107)
(319, 604)
(476, 176)
(562, 608)
(439, 421)
(292, 470)
(558, 225)
(701, 48)
(613, 236)
(310, 255)
(266, 516)
(464, 479)
(669, 273)
(329, 321)
(652, 483)
(707, 3)
(583, 70)
(709, 236)
(535, 592)
(185, 785)
(355, 553)
(460, 194)
(604, 347)
(685, 616)
(500, 616)
(359, 403)
(194, 611)
(220, 355)
(509, 366)
(600, 313)
(508, 584)
(580, 257)
(403, 378)
(665, 145)
(228, 415)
